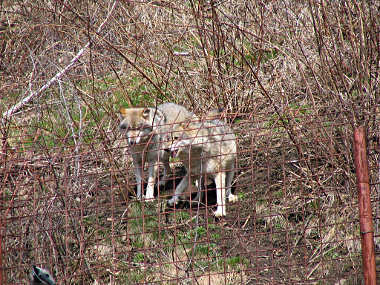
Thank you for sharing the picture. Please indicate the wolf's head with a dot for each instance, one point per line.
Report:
(140, 123)
(185, 139)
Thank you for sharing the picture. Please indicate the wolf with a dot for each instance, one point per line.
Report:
(207, 149)
(145, 130)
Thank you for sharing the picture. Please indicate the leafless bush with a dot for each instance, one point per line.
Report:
(293, 77)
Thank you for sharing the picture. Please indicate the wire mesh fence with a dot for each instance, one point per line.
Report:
(73, 209)
(293, 79)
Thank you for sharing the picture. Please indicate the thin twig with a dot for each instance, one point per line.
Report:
(7, 114)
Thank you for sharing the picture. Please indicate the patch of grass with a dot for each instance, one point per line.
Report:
(182, 216)
(73, 117)
(139, 257)
(242, 196)
(206, 249)
(188, 237)
(234, 262)
(278, 194)
(270, 54)
(131, 275)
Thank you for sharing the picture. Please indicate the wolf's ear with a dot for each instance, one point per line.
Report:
(157, 117)
(123, 110)
(145, 113)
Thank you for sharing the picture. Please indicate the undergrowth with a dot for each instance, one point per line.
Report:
(293, 79)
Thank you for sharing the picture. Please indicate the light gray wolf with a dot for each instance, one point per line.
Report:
(145, 130)
(40, 276)
(207, 149)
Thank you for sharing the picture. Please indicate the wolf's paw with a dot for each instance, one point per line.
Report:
(137, 198)
(149, 193)
(220, 212)
(173, 201)
(148, 198)
(233, 198)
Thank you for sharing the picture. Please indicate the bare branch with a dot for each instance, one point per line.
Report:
(7, 114)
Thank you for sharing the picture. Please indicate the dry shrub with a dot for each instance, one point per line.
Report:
(293, 77)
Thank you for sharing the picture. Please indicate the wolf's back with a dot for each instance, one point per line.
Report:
(175, 113)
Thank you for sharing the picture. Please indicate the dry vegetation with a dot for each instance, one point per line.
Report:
(294, 77)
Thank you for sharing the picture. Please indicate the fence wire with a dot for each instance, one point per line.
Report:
(69, 205)
(295, 78)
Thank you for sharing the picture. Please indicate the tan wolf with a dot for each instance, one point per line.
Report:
(207, 149)
(145, 130)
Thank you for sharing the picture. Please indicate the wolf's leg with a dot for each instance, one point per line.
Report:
(138, 175)
(167, 170)
(179, 190)
(220, 181)
(138, 169)
(229, 177)
(200, 188)
(152, 172)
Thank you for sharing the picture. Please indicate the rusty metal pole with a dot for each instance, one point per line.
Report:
(1, 253)
(2, 215)
(365, 211)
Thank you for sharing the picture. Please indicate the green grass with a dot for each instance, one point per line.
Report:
(59, 127)
(78, 115)
(236, 261)
(208, 240)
